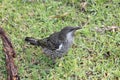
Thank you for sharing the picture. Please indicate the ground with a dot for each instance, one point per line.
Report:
(95, 54)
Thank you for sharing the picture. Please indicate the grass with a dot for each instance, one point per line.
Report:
(94, 56)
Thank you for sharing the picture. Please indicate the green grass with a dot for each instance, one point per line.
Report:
(85, 61)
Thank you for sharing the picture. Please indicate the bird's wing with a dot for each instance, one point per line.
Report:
(52, 42)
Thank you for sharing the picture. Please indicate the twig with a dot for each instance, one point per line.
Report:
(12, 72)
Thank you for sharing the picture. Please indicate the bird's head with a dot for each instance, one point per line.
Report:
(68, 31)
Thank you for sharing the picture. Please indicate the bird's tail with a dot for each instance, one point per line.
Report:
(31, 40)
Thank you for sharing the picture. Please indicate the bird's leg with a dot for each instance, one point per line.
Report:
(53, 62)
(53, 59)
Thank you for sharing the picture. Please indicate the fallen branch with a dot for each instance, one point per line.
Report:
(12, 72)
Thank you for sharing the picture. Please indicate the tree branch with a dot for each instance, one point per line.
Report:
(12, 72)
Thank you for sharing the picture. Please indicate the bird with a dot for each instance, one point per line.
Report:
(57, 44)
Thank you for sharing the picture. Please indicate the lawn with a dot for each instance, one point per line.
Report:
(95, 54)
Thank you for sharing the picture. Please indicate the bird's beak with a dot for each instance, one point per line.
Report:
(76, 28)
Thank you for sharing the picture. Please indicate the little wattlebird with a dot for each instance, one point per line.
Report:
(57, 44)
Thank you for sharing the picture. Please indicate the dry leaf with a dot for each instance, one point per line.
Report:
(83, 6)
(108, 28)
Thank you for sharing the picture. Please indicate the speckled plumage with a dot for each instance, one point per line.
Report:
(57, 44)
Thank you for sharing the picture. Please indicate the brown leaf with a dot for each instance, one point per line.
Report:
(107, 54)
(88, 73)
(83, 6)
(108, 28)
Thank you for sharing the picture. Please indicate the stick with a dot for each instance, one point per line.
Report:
(12, 72)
